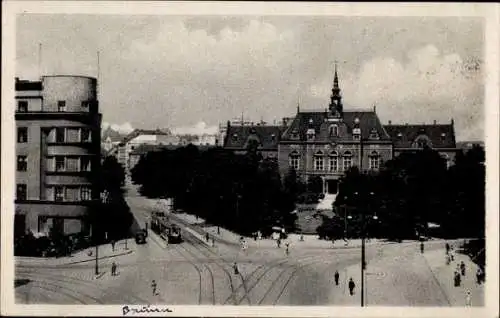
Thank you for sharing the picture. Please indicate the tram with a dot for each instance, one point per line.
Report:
(168, 231)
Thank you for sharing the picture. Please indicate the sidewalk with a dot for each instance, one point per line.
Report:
(408, 279)
(444, 275)
(104, 251)
(229, 237)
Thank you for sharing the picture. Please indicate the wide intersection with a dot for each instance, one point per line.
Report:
(195, 272)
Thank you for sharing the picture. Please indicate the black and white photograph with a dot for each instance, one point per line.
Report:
(244, 158)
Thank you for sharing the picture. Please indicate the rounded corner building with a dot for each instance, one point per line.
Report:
(58, 154)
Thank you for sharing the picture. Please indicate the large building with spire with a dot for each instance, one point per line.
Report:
(327, 142)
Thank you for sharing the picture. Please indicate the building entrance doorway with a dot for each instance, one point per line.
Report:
(332, 186)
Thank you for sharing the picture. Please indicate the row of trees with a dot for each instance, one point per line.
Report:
(413, 190)
(242, 192)
(112, 218)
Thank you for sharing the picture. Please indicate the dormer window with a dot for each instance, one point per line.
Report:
(273, 137)
(422, 141)
(294, 134)
(400, 135)
(234, 137)
(310, 134)
(443, 136)
(356, 134)
(374, 134)
(334, 130)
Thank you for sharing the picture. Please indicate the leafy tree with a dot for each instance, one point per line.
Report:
(315, 184)
(113, 216)
(240, 191)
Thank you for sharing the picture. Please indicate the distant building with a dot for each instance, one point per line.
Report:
(58, 154)
(142, 150)
(110, 138)
(468, 145)
(140, 137)
(239, 138)
(440, 137)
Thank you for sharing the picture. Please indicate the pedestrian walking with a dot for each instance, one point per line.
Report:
(457, 279)
(336, 275)
(154, 287)
(478, 276)
(468, 299)
(235, 268)
(207, 237)
(213, 242)
(302, 237)
(351, 286)
(448, 259)
(462, 268)
(422, 247)
(113, 245)
(113, 269)
(278, 242)
(447, 246)
(287, 250)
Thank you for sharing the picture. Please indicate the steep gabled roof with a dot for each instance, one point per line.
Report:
(368, 121)
(112, 134)
(403, 136)
(145, 148)
(268, 137)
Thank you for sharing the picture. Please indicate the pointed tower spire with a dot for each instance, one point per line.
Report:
(298, 105)
(336, 98)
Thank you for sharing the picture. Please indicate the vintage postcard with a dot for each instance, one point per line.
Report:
(249, 159)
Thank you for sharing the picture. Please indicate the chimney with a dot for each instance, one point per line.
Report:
(435, 122)
(390, 122)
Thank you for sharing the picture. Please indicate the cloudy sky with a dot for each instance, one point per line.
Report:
(192, 73)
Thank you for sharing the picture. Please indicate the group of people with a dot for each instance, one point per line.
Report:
(350, 284)
(460, 272)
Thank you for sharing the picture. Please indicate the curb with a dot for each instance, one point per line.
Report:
(100, 258)
(20, 263)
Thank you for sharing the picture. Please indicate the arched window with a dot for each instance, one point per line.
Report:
(334, 130)
(318, 161)
(347, 160)
(374, 161)
(333, 161)
(294, 160)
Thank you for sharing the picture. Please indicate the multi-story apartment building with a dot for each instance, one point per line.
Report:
(58, 153)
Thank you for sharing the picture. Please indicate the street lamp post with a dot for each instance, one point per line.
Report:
(96, 257)
(363, 254)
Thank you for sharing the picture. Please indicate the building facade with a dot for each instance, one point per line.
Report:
(326, 143)
(137, 138)
(238, 138)
(58, 154)
(440, 137)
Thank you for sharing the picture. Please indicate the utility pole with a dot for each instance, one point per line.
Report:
(363, 262)
(40, 60)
